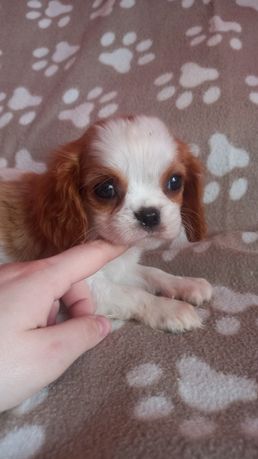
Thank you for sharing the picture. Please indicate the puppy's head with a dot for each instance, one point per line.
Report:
(129, 181)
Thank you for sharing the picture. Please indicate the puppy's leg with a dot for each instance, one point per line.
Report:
(124, 303)
(190, 289)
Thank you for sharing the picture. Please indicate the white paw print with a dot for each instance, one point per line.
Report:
(252, 81)
(22, 442)
(248, 4)
(20, 103)
(249, 237)
(158, 405)
(217, 27)
(120, 59)
(25, 162)
(104, 8)
(223, 158)
(197, 386)
(192, 76)
(79, 115)
(232, 303)
(149, 407)
(167, 90)
(63, 54)
(31, 403)
(3, 162)
(189, 3)
(55, 12)
(2, 98)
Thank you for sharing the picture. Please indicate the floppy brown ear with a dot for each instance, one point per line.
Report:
(192, 210)
(57, 211)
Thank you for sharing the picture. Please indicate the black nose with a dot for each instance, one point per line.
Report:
(148, 217)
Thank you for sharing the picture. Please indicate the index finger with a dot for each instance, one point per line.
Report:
(78, 263)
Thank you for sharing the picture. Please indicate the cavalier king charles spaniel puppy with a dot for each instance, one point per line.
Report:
(127, 180)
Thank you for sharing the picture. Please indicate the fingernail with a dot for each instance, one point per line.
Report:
(104, 325)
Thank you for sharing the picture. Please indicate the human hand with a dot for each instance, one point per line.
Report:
(33, 353)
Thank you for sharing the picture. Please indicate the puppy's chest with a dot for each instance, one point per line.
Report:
(119, 270)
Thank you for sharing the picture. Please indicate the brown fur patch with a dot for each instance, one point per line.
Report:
(44, 214)
(192, 209)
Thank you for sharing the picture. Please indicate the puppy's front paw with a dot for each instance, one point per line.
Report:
(183, 317)
(173, 316)
(196, 290)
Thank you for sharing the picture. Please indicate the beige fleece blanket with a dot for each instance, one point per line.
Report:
(143, 393)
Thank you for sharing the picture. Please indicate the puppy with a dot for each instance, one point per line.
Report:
(128, 181)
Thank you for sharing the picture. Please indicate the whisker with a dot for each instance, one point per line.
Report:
(186, 211)
(195, 217)
(84, 235)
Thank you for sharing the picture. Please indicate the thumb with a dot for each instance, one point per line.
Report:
(63, 343)
(45, 353)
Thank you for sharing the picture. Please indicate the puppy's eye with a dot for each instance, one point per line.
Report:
(175, 183)
(106, 190)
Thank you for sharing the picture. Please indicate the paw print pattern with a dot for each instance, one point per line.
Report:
(192, 76)
(120, 59)
(222, 159)
(79, 115)
(20, 103)
(63, 55)
(23, 442)
(55, 12)
(197, 427)
(228, 325)
(167, 90)
(25, 162)
(252, 81)
(248, 4)
(231, 303)
(189, 3)
(3, 163)
(217, 27)
(198, 386)
(104, 8)
(152, 406)
(2, 98)
(31, 403)
(249, 237)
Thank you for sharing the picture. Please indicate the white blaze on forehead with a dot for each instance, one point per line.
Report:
(141, 148)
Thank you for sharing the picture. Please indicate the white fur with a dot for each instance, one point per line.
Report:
(130, 146)
(124, 290)
(142, 150)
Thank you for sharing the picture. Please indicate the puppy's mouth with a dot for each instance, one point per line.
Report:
(146, 240)
(139, 236)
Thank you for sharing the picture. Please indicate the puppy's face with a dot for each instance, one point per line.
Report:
(139, 184)
(126, 180)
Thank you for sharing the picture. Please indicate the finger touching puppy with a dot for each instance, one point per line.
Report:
(126, 180)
